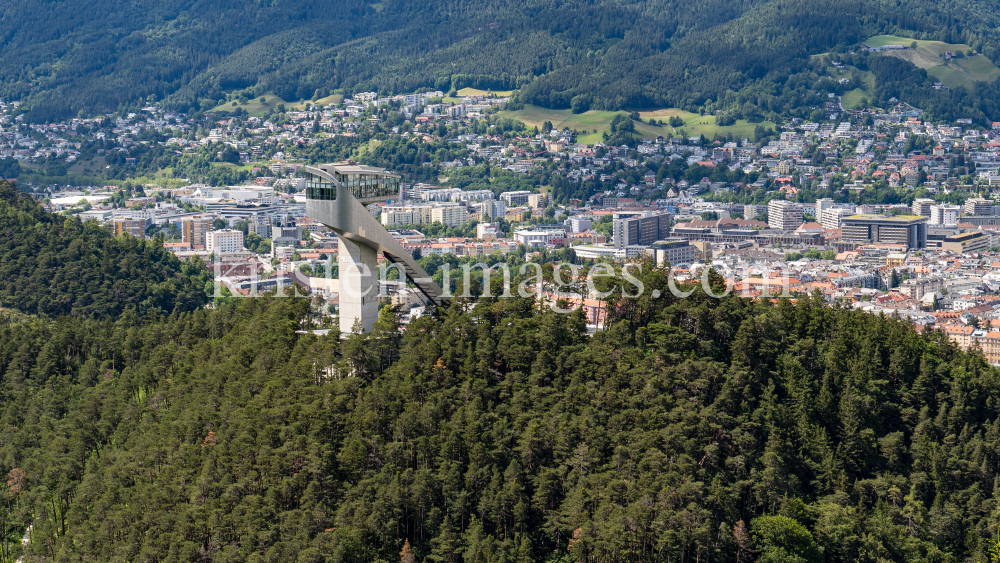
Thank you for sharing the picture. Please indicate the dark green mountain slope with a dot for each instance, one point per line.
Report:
(54, 265)
(82, 55)
(698, 430)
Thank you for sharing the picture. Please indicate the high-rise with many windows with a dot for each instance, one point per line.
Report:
(783, 214)
(907, 230)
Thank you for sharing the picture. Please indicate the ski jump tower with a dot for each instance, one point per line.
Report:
(336, 195)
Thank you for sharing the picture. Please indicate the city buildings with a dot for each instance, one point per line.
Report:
(674, 252)
(194, 230)
(784, 215)
(515, 199)
(821, 206)
(831, 217)
(579, 224)
(906, 230)
(539, 237)
(260, 225)
(487, 231)
(450, 214)
(922, 206)
(975, 241)
(977, 206)
(641, 229)
(134, 227)
(944, 215)
(224, 240)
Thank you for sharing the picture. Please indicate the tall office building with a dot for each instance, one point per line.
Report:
(194, 230)
(922, 206)
(831, 217)
(134, 227)
(821, 206)
(260, 225)
(907, 230)
(945, 215)
(753, 211)
(978, 206)
(641, 231)
(784, 215)
(579, 224)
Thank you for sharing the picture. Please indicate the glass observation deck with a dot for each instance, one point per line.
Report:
(367, 183)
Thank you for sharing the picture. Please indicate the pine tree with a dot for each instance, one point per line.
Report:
(406, 555)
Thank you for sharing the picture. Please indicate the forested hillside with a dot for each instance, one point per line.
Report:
(73, 57)
(55, 265)
(691, 430)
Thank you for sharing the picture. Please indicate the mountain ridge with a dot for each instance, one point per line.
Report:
(608, 55)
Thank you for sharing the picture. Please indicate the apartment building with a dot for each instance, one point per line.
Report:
(260, 224)
(978, 206)
(831, 217)
(446, 213)
(945, 215)
(513, 199)
(784, 215)
(194, 230)
(673, 252)
(922, 206)
(821, 205)
(225, 240)
(134, 227)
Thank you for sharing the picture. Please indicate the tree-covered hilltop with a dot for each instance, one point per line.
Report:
(65, 58)
(56, 265)
(691, 430)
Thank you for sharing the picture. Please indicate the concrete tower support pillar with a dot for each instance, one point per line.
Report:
(358, 285)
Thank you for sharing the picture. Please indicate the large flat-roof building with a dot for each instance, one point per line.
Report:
(907, 230)
(448, 213)
(674, 252)
(974, 241)
(832, 216)
(633, 231)
(784, 215)
(225, 240)
(945, 215)
(922, 206)
(978, 206)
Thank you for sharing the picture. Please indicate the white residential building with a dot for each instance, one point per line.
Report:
(447, 213)
(946, 215)
(225, 240)
(783, 214)
(832, 216)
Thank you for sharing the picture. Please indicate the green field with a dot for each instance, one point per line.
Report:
(929, 56)
(696, 125)
(867, 78)
(474, 92)
(852, 99)
(594, 123)
(883, 40)
(256, 107)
